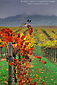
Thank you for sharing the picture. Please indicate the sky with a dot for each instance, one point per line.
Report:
(16, 7)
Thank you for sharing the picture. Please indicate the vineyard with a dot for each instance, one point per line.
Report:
(28, 55)
(48, 41)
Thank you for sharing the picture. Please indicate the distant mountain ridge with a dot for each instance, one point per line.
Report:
(37, 20)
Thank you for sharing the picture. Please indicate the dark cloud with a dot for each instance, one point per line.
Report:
(15, 7)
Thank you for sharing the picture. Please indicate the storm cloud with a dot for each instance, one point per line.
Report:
(15, 7)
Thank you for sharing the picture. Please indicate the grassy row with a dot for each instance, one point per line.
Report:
(48, 72)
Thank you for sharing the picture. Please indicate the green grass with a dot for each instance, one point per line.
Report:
(47, 72)
(3, 72)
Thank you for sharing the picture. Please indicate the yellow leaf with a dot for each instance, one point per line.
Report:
(7, 69)
(5, 81)
(0, 40)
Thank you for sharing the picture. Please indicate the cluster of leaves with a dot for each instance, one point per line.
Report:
(20, 42)
(6, 35)
(24, 46)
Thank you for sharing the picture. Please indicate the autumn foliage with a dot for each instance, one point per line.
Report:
(24, 46)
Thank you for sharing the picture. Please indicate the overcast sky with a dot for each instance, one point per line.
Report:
(15, 7)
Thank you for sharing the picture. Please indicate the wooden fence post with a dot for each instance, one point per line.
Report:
(55, 55)
(51, 55)
(47, 53)
(1, 53)
(10, 60)
(5, 50)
